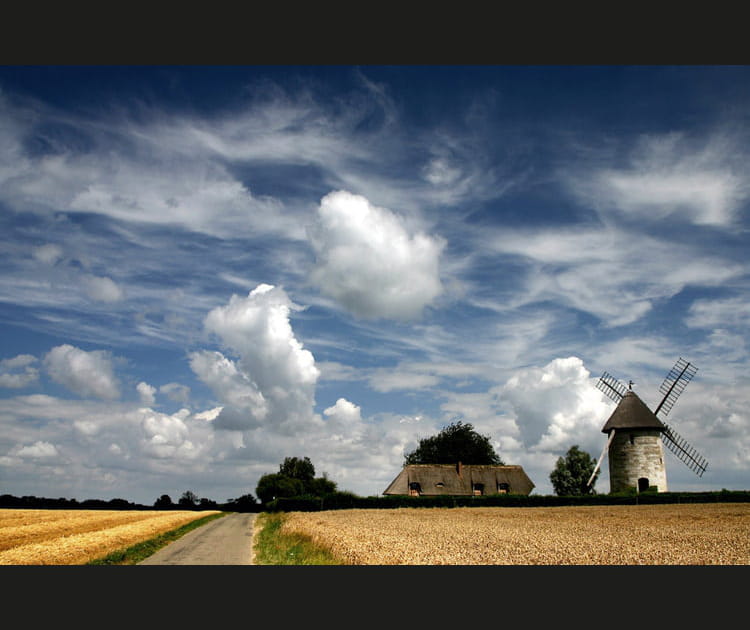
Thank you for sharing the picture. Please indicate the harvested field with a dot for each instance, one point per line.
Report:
(677, 534)
(78, 536)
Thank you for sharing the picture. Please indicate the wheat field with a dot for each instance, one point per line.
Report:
(41, 537)
(676, 534)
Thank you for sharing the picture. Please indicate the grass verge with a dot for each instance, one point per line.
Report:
(142, 550)
(272, 546)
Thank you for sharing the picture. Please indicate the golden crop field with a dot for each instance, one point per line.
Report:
(30, 536)
(676, 534)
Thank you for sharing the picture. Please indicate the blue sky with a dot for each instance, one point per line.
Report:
(208, 269)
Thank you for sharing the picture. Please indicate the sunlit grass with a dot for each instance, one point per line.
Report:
(272, 546)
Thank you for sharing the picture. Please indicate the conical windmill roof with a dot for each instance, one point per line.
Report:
(632, 413)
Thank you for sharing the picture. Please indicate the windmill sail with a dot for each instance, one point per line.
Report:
(611, 387)
(601, 457)
(684, 452)
(676, 381)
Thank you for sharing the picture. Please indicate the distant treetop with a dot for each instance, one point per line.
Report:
(458, 442)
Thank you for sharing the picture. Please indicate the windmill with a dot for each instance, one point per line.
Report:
(636, 434)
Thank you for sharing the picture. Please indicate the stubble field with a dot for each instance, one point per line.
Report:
(42, 537)
(681, 534)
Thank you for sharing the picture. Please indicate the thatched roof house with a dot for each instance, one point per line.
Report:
(459, 480)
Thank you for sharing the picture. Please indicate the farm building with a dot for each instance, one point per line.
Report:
(459, 480)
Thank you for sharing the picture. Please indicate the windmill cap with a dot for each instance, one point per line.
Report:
(632, 413)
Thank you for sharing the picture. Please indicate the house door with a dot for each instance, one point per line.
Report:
(642, 484)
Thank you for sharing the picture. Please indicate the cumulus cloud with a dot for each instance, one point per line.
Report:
(167, 436)
(176, 392)
(102, 289)
(370, 262)
(146, 393)
(343, 415)
(84, 373)
(556, 405)
(18, 371)
(244, 405)
(38, 450)
(273, 380)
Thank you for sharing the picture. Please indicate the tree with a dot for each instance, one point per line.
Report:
(245, 503)
(571, 474)
(320, 486)
(296, 477)
(188, 499)
(297, 468)
(164, 501)
(458, 442)
(276, 485)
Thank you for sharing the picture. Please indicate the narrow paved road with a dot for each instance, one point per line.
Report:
(225, 540)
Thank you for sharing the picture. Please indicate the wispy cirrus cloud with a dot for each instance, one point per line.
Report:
(697, 180)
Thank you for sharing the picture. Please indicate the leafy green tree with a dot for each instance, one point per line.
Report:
(276, 485)
(320, 486)
(458, 442)
(297, 468)
(296, 477)
(572, 472)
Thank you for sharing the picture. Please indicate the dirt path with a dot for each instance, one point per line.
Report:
(226, 540)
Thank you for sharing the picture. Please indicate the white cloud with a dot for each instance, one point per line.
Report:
(719, 313)
(388, 380)
(176, 392)
(420, 375)
(273, 381)
(38, 450)
(244, 405)
(603, 271)
(369, 262)
(672, 176)
(440, 172)
(167, 436)
(556, 406)
(146, 393)
(102, 289)
(84, 373)
(48, 254)
(11, 377)
(344, 410)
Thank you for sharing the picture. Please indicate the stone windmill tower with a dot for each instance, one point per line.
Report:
(636, 434)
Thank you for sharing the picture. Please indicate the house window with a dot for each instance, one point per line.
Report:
(439, 484)
(414, 489)
(477, 489)
(503, 488)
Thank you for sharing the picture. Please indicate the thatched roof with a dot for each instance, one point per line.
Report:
(632, 413)
(460, 479)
